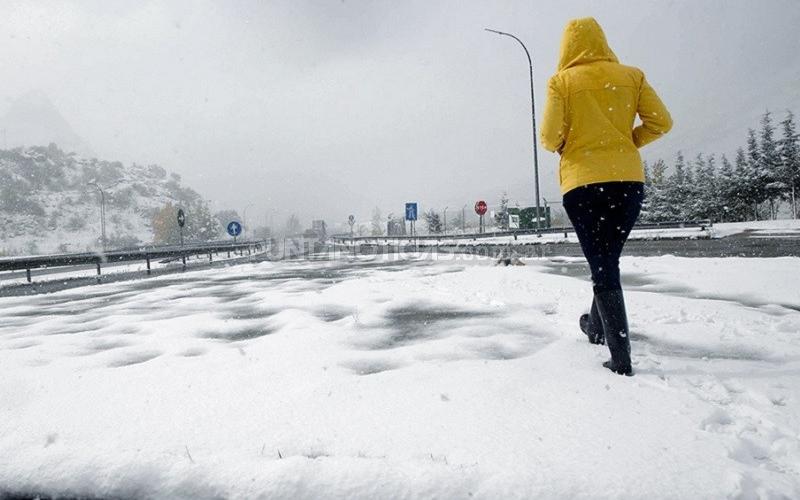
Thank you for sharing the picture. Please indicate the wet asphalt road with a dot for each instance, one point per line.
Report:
(734, 246)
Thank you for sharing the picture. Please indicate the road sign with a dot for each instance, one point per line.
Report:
(513, 221)
(234, 228)
(181, 217)
(527, 217)
(351, 220)
(411, 211)
(481, 207)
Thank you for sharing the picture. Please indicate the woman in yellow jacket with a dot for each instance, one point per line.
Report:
(592, 102)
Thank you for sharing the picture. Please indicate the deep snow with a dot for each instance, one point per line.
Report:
(397, 379)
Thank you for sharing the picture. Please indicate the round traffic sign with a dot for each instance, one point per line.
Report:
(234, 228)
(481, 207)
(181, 217)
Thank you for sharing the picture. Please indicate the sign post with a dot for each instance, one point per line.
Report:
(234, 229)
(480, 209)
(411, 216)
(181, 223)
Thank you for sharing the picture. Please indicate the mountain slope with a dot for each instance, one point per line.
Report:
(47, 204)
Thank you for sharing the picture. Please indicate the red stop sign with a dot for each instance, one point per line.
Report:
(480, 207)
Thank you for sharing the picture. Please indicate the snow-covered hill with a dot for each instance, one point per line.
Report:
(48, 205)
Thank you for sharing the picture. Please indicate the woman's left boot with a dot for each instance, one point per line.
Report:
(611, 306)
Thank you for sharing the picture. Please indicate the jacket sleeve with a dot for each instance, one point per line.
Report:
(553, 125)
(656, 120)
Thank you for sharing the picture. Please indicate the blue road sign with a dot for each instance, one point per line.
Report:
(234, 229)
(411, 211)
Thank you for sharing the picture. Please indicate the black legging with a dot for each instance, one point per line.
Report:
(603, 215)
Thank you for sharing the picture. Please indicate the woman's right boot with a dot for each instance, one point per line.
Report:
(591, 325)
(611, 306)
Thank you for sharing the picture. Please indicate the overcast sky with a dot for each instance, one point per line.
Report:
(326, 108)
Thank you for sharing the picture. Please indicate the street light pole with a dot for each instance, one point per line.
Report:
(244, 219)
(102, 214)
(533, 113)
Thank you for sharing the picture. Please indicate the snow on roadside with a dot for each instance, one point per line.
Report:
(638, 234)
(765, 227)
(10, 278)
(404, 379)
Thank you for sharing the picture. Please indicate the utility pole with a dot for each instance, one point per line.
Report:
(464, 219)
(533, 114)
(445, 220)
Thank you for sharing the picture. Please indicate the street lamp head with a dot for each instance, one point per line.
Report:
(493, 31)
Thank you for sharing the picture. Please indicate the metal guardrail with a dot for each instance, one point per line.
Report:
(701, 224)
(126, 255)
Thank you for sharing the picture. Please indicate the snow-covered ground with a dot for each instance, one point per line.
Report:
(405, 379)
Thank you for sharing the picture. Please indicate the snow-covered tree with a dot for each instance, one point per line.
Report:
(677, 192)
(433, 221)
(501, 214)
(200, 224)
(771, 165)
(731, 205)
(656, 207)
(745, 186)
(789, 148)
(757, 175)
(376, 224)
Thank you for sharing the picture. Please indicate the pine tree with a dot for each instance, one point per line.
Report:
(770, 165)
(201, 225)
(758, 182)
(676, 191)
(656, 195)
(729, 201)
(744, 187)
(715, 195)
(789, 147)
(645, 213)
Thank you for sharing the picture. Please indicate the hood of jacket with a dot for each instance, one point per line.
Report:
(584, 42)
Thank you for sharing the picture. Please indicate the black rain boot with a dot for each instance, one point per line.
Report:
(611, 306)
(592, 327)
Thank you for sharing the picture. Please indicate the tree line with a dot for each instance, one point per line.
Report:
(763, 176)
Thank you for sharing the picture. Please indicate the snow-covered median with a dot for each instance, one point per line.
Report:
(387, 379)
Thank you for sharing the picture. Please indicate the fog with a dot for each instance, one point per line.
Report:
(329, 108)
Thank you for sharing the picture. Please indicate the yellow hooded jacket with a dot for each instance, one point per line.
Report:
(592, 102)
